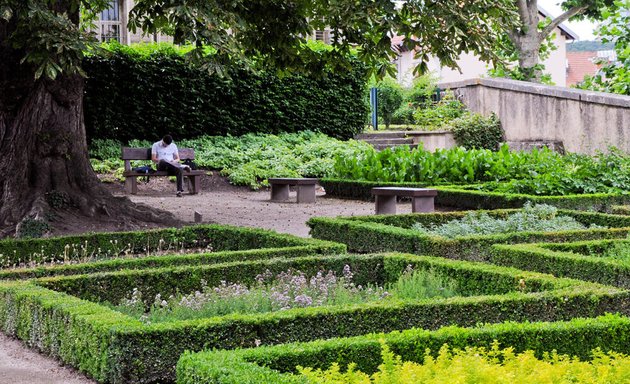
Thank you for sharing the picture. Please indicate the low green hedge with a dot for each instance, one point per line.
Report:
(114, 348)
(324, 248)
(463, 197)
(277, 364)
(87, 247)
(387, 233)
(580, 260)
(621, 209)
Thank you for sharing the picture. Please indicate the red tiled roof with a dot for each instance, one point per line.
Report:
(580, 64)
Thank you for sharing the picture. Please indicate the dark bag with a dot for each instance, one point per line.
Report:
(190, 163)
(144, 169)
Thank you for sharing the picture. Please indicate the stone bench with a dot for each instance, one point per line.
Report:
(131, 176)
(305, 189)
(422, 199)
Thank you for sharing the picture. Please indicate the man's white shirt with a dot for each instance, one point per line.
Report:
(164, 153)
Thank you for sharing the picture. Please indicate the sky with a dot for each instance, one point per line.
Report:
(584, 29)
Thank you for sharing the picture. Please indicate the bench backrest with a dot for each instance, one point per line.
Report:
(129, 154)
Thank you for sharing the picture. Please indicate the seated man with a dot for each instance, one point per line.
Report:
(166, 156)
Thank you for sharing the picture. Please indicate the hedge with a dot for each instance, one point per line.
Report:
(277, 364)
(94, 246)
(174, 260)
(114, 348)
(462, 197)
(383, 233)
(580, 260)
(131, 96)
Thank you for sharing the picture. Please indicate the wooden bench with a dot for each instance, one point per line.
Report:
(131, 182)
(305, 189)
(422, 199)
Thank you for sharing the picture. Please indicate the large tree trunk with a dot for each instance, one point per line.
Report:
(44, 166)
(528, 40)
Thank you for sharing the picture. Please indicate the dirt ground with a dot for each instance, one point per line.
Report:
(219, 202)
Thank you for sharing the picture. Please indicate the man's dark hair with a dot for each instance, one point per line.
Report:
(167, 139)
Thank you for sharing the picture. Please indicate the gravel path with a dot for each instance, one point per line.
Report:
(223, 204)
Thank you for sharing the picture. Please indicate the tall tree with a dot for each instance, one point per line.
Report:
(528, 37)
(44, 162)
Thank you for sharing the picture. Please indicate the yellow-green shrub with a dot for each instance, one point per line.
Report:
(478, 365)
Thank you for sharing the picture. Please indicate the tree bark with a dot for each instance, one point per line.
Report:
(528, 40)
(44, 166)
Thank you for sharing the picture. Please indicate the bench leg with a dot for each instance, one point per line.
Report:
(423, 204)
(194, 184)
(131, 185)
(385, 205)
(279, 192)
(306, 194)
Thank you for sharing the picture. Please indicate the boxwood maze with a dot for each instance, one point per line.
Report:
(276, 364)
(64, 316)
(95, 246)
(466, 197)
(582, 260)
(384, 233)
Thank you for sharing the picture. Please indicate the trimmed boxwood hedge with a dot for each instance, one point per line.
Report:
(386, 233)
(108, 245)
(460, 196)
(114, 348)
(325, 248)
(277, 364)
(163, 93)
(580, 260)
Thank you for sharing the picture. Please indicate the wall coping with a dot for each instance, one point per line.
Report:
(543, 90)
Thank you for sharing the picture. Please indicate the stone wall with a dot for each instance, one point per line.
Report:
(583, 121)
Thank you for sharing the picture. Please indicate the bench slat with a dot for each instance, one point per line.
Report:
(293, 181)
(401, 191)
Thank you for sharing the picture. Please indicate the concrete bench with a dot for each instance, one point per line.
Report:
(131, 182)
(305, 189)
(422, 199)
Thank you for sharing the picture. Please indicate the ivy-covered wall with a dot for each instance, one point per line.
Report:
(137, 96)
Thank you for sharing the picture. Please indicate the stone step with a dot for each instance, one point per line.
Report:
(380, 147)
(389, 141)
(381, 135)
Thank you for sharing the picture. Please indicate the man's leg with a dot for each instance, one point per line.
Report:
(173, 171)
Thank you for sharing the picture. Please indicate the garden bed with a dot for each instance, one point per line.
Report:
(66, 316)
(116, 245)
(384, 233)
(277, 364)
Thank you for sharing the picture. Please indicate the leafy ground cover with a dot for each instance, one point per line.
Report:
(285, 290)
(540, 172)
(246, 160)
(481, 365)
(532, 218)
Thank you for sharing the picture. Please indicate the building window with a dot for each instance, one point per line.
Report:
(323, 36)
(110, 23)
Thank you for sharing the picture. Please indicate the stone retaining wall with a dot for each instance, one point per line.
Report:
(584, 121)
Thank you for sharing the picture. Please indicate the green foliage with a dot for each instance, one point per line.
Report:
(532, 218)
(478, 364)
(439, 115)
(389, 99)
(277, 364)
(539, 172)
(614, 76)
(30, 228)
(157, 91)
(476, 131)
(250, 159)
